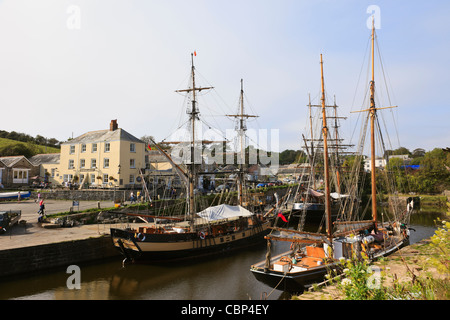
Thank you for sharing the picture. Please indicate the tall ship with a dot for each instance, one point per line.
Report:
(312, 255)
(213, 230)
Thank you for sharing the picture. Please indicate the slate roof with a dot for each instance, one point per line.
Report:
(45, 158)
(104, 135)
(12, 160)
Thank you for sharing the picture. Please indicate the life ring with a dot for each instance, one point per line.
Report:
(201, 235)
(140, 237)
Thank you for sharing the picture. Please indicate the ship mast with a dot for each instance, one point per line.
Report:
(242, 128)
(372, 130)
(373, 113)
(193, 114)
(325, 157)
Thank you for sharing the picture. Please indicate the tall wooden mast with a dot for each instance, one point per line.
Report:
(193, 114)
(372, 130)
(373, 113)
(242, 128)
(325, 157)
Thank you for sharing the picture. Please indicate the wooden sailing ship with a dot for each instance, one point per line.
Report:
(313, 255)
(211, 231)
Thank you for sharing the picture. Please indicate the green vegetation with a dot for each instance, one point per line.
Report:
(432, 176)
(22, 144)
(10, 147)
(50, 142)
(291, 156)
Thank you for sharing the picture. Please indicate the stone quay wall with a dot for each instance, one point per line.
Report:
(86, 195)
(53, 255)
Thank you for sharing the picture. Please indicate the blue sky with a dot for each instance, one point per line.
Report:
(66, 72)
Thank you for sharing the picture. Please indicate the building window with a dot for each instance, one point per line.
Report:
(92, 178)
(93, 163)
(106, 163)
(71, 164)
(82, 163)
(132, 147)
(53, 172)
(72, 149)
(81, 179)
(132, 164)
(20, 176)
(107, 146)
(131, 178)
(94, 147)
(105, 178)
(83, 148)
(68, 178)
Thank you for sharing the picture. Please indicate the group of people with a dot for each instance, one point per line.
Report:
(138, 196)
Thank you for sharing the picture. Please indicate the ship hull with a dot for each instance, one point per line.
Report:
(296, 281)
(290, 282)
(166, 247)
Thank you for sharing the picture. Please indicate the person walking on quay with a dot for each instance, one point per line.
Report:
(41, 210)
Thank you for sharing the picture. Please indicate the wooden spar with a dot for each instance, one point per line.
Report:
(325, 158)
(351, 222)
(370, 109)
(153, 216)
(181, 172)
(192, 171)
(338, 184)
(304, 233)
(297, 240)
(312, 143)
(241, 136)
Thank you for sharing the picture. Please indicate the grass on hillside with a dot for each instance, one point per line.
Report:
(29, 147)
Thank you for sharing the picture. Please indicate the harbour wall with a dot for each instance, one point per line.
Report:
(85, 195)
(62, 254)
(112, 195)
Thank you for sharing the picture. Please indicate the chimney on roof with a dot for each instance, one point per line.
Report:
(113, 125)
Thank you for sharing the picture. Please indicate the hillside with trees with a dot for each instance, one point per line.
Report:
(432, 175)
(21, 144)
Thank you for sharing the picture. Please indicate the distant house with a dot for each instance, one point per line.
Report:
(160, 171)
(48, 167)
(16, 171)
(379, 163)
(404, 157)
(294, 171)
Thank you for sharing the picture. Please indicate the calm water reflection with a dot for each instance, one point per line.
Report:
(225, 277)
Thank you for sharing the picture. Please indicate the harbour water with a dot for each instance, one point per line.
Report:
(223, 277)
